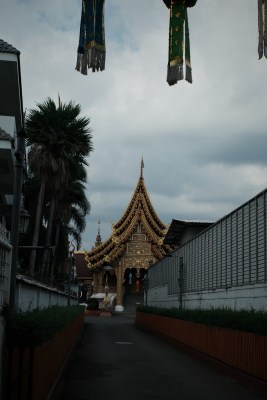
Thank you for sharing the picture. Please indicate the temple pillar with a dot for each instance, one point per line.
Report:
(95, 282)
(119, 300)
(101, 282)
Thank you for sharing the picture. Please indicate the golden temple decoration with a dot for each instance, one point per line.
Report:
(140, 216)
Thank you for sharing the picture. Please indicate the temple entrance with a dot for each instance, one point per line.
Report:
(133, 287)
(134, 281)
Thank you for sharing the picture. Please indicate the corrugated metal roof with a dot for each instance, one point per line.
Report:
(177, 227)
(7, 48)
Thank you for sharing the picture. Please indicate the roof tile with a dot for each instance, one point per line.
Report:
(7, 48)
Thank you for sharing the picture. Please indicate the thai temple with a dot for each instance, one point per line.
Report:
(116, 268)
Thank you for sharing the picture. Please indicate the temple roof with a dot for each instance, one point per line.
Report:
(81, 265)
(139, 211)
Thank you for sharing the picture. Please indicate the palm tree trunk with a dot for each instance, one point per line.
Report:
(37, 226)
(53, 264)
(48, 235)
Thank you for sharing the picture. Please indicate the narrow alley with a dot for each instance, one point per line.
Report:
(116, 360)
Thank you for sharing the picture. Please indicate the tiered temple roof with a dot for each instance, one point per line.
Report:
(139, 212)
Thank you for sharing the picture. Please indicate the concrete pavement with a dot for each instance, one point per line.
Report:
(115, 360)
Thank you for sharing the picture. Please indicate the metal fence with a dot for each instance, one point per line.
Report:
(230, 253)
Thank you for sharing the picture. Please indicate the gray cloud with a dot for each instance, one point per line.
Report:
(203, 144)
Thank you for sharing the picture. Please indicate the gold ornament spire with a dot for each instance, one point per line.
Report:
(98, 238)
(142, 167)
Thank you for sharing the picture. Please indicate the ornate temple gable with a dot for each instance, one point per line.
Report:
(150, 209)
(139, 243)
(140, 201)
(138, 221)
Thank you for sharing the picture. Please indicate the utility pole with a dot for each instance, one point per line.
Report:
(14, 239)
(180, 281)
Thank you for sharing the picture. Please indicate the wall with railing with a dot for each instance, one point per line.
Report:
(224, 266)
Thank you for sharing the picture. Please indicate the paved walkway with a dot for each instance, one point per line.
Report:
(115, 360)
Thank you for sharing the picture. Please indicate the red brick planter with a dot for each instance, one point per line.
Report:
(92, 313)
(32, 373)
(245, 352)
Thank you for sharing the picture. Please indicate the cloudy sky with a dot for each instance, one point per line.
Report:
(204, 145)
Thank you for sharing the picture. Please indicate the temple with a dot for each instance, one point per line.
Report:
(119, 264)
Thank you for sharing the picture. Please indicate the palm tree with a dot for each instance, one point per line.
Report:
(57, 138)
(72, 206)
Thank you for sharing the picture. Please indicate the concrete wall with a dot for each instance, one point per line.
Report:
(237, 298)
(31, 294)
(223, 266)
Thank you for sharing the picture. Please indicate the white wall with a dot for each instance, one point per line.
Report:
(159, 297)
(236, 298)
(31, 294)
(8, 57)
(8, 124)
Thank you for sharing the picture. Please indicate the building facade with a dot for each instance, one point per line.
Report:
(11, 121)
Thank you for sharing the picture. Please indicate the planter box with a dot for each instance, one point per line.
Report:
(33, 372)
(90, 313)
(245, 352)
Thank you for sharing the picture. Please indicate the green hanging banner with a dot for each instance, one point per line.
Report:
(179, 41)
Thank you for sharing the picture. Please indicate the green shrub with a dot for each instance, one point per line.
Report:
(246, 321)
(34, 328)
(92, 304)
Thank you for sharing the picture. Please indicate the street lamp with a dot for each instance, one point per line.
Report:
(24, 221)
(70, 260)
